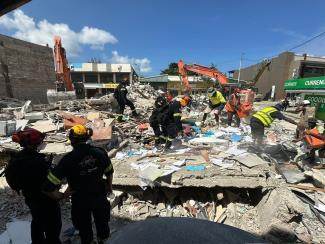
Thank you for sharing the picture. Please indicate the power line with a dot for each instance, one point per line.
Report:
(305, 42)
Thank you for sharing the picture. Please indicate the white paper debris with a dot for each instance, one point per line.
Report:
(235, 151)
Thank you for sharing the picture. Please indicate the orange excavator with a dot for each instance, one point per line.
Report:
(247, 96)
(202, 70)
(62, 69)
(65, 89)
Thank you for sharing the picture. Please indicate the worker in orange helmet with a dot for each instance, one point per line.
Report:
(232, 106)
(172, 125)
(26, 172)
(84, 168)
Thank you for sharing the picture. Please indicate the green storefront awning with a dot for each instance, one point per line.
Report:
(310, 83)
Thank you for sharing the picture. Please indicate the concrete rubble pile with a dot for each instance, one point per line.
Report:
(214, 174)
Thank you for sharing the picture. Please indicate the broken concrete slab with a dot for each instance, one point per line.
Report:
(318, 177)
(55, 148)
(250, 160)
(44, 126)
(34, 116)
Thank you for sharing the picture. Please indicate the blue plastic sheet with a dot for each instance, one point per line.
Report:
(235, 137)
(195, 167)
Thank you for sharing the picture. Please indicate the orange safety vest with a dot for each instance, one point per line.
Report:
(230, 108)
(313, 141)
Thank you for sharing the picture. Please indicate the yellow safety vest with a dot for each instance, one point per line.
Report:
(264, 115)
(217, 98)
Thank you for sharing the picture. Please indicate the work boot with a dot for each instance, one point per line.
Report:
(168, 144)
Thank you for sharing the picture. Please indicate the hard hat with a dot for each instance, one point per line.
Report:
(28, 136)
(211, 91)
(306, 102)
(79, 133)
(279, 106)
(185, 100)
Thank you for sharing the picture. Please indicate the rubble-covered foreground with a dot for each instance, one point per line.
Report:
(215, 174)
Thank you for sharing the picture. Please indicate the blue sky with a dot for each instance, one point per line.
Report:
(153, 33)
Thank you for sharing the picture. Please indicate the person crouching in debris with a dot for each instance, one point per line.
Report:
(26, 172)
(120, 95)
(307, 112)
(172, 122)
(232, 106)
(84, 168)
(264, 118)
(216, 104)
(156, 119)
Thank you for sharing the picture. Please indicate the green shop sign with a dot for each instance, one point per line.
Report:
(319, 102)
(311, 83)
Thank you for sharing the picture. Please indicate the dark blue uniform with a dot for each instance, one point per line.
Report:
(120, 95)
(84, 168)
(30, 169)
(157, 118)
(172, 122)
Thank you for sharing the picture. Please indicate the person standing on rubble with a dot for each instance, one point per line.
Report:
(156, 119)
(26, 172)
(232, 106)
(216, 104)
(172, 124)
(120, 95)
(84, 169)
(264, 118)
(307, 112)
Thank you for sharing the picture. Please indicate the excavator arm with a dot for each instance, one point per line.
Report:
(61, 65)
(202, 70)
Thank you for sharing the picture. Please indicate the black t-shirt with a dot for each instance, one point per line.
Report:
(175, 114)
(83, 168)
(30, 169)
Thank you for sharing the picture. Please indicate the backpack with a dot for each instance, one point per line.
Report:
(12, 175)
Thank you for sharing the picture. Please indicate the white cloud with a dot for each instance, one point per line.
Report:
(43, 32)
(142, 65)
(95, 37)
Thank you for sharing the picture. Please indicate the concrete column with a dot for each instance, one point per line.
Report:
(114, 77)
(131, 77)
(98, 81)
(83, 78)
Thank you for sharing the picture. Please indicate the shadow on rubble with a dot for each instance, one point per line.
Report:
(181, 195)
(279, 235)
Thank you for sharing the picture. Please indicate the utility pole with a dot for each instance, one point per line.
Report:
(240, 62)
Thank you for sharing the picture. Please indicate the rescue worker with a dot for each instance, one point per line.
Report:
(156, 119)
(120, 95)
(172, 124)
(232, 106)
(26, 171)
(307, 112)
(264, 118)
(84, 169)
(216, 104)
(285, 104)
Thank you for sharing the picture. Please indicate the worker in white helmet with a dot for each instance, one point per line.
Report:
(307, 112)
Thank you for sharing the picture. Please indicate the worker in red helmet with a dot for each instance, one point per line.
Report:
(233, 106)
(84, 169)
(26, 172)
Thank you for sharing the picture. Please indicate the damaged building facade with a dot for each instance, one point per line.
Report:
(101, 78)
(173, 84)
(285, 66)
(27, 70)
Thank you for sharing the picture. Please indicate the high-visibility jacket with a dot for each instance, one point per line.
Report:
(217, 98)
(232, 103)
(264, 115)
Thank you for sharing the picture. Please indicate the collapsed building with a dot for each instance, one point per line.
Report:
(215, 174)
